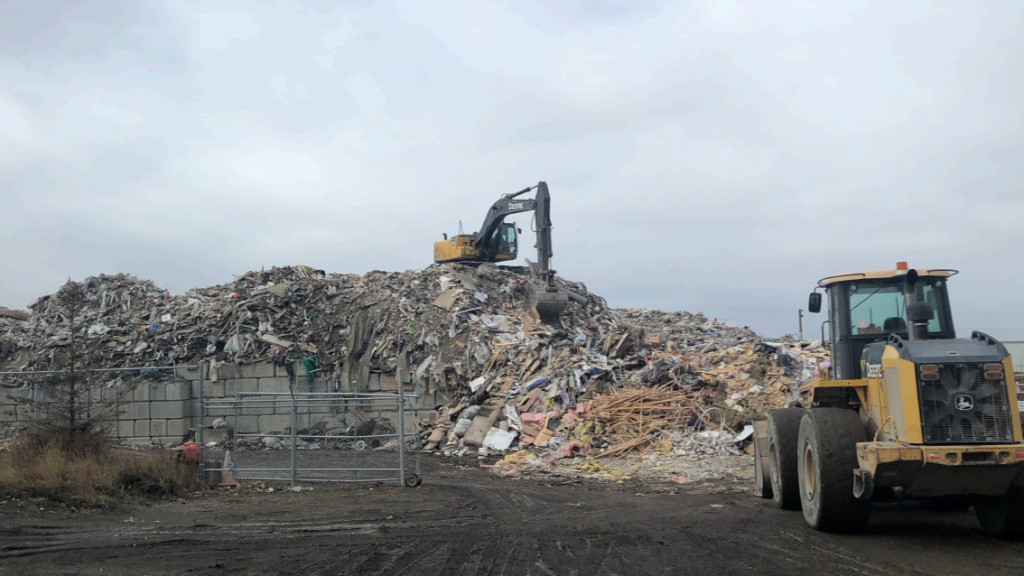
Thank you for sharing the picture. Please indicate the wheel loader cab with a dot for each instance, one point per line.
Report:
(864, 310)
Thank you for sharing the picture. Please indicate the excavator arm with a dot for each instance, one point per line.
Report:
(544, 294)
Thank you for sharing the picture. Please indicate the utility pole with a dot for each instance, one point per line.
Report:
(800, 319)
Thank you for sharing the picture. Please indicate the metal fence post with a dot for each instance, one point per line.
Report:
(295, 418)
(400, 375)
(199, 425)
(88, 397)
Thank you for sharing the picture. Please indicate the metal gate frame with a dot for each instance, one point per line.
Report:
(403, 474)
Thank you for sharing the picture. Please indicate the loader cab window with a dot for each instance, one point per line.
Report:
(878, 307)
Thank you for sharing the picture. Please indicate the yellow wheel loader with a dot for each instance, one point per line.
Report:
(498, 241)
(905, 408)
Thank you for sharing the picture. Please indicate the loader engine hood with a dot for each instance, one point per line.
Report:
(962, 398)
(979, 348)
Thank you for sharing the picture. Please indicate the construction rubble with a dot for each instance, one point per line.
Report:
(601, 383)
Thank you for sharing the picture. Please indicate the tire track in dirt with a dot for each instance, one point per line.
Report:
(491, 527)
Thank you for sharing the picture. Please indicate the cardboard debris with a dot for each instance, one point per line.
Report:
(276, 341)
(447, 299)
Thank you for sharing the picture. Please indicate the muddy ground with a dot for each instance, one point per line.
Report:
(461, 521)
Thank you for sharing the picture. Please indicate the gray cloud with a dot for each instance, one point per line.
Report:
(708, 156)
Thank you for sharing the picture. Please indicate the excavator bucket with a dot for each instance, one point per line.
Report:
(550, 305)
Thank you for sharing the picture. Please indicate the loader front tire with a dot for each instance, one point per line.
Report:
(783, 429)
(1002, 516)
(827, 457)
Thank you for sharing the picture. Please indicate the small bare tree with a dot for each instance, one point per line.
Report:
(70, 417)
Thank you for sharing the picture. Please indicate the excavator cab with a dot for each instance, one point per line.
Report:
(503, 244)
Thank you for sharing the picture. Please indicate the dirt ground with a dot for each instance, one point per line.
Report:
(462, 521)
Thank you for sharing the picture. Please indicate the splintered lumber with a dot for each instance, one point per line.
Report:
(634, 416)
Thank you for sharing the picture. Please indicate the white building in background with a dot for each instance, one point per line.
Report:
(1017, 353)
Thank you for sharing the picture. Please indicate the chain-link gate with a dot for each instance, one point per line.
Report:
(312, 437)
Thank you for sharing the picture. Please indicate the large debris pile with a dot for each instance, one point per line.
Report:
(624, 388)
(338, 318)
(462, 331)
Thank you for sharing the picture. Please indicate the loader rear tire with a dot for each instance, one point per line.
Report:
(1002, 516)
(783, 429)
(827, 459)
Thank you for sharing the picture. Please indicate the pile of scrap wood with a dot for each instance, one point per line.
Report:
(634, 417)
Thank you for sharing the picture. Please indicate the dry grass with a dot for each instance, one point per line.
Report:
(28, 470)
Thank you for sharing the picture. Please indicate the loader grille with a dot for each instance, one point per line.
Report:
(962, 406)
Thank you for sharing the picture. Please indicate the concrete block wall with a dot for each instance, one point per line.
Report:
(162, 411)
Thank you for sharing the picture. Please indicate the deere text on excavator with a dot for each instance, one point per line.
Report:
(498, 241)
(906, 409)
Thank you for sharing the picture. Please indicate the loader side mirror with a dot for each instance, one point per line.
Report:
(814, 303)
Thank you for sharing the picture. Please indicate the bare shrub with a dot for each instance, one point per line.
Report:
(28, 470)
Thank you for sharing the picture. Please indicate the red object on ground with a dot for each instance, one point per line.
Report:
(190, 452)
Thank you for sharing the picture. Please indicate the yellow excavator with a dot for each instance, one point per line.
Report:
(498, 241)
(905, 409)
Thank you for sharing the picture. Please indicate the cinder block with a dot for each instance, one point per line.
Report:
(388, 383)
(141, 393)
(186, 373)
(279, 384)
(243, 385)
(220, 412)
(137, 411)
(257, 370)
(374, 384)
(168, 410)
(18, 393)
(125, 429)
(25, 411)
(275, 423)
(228, 372)
(177, 428)
(245, 423)
(213, 389)
(156, 392)
(142, 429)
(177, 390)
(158, 428)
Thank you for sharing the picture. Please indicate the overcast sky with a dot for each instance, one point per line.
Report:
(707, 156)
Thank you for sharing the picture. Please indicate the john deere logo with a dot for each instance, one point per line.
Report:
(964, 402)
